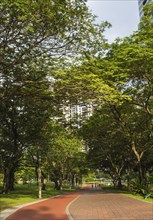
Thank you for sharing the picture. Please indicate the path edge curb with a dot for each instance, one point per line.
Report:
(67, 208)
(7, 212)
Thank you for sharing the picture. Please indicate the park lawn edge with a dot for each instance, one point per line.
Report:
(15, 202)
(138, 197)
(127, 193)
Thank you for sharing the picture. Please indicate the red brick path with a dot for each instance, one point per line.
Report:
(92, 204)
(50, 209)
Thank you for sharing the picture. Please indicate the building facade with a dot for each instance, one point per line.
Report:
(141, 3)
(76, 114)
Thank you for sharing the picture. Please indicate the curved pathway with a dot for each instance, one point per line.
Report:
(50, 209)
(91, 204)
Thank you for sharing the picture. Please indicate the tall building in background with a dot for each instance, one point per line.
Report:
(141, 3)
(76, 114)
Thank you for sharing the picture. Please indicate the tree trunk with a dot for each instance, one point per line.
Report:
(60, 183)
(39, 173)
(119, 183)
(140, 173)
(43, 181)
(57, 186)
(39, 183)
(76, 180)
(11, 179)
(73, 180)
(114, 183)
(139, 157)
(128, 181)
(5, 188)
(36, 172)
(8, 180)
(39, 178)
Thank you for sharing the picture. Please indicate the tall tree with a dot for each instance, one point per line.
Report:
(62, 150)
(108, 147)
(33, 37)
(127, 67)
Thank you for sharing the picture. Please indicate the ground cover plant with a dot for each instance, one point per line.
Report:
(27, 193)
(124, 191)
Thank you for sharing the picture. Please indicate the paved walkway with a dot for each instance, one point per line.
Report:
(50, 209)
(91, 204)
(97, 205)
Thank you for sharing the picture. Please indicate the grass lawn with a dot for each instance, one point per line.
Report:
(124, 192)
(139, 197)
(25, 194)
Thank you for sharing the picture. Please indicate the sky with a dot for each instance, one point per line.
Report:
(122, 14)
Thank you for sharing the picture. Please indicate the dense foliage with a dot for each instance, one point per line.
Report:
(119, 135)
(35, 39)
(54, 55)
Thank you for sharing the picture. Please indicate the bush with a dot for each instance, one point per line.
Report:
(140, 189)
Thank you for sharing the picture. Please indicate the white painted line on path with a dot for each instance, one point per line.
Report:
(67, 208)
